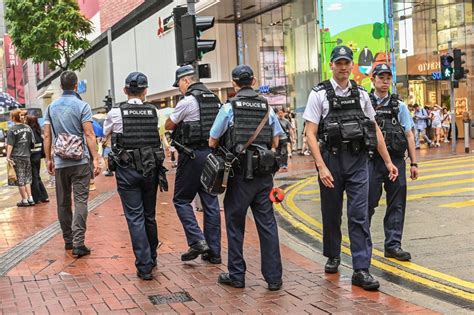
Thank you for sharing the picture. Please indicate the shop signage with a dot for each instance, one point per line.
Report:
(82, 87)
(264, 89)
(436, 76)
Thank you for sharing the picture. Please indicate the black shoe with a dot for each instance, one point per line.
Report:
(224, 278)
(81, 251)
(31, 202)
(68, 246)
(364, 279)
(332, 265)
(275, 286)
(194, 251)
(144, 276)
(211, 258)
(398, 254)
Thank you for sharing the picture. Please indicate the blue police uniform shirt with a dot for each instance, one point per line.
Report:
(404, 116)
(225, 119)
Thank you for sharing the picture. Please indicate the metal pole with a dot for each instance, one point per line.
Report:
(111, 65)
(192, 7)
(453, 110)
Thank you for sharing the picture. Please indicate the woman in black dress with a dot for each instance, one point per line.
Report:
(37, 153)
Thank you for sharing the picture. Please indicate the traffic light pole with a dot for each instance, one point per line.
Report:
(192, 7)
(452, 105)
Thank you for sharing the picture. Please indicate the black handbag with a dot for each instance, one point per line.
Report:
(216, 171)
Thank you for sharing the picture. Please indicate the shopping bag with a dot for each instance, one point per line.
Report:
(11, 175)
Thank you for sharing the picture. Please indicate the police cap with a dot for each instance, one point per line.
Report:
(242, 73)
(182, 72)
(341, 52)
(381, 68)
(136, 80)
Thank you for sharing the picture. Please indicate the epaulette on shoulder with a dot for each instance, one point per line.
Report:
(362, 88)
(318, 87)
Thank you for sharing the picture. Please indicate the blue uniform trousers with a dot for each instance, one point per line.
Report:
(187, 185)
(240, 195)
(351, 174)
(138, 195)
(396, 194)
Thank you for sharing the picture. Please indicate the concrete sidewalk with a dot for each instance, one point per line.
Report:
(52, 281)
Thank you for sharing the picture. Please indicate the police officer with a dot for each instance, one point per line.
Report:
(237, 122)
(340, 116)
(394, 120)
(191, 121)
(137, 155)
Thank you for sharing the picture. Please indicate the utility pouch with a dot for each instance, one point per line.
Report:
(248, 171)
(191, 132)
(333, 134)
(398, 143)
(266, 162)
(370, 136)
(351, 131)
(112, 164)
(147, 159)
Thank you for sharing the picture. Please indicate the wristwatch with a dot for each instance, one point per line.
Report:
(414, 164)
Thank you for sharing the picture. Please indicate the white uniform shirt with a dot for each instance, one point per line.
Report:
(318, 104)
(187, 109)
(113, 123)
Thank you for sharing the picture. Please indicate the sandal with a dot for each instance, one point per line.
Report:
(22, 204)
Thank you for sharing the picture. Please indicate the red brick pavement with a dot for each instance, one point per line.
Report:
(51, 281)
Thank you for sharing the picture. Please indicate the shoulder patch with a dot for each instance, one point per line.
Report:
(318, 87)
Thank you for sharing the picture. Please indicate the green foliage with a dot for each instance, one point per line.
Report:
(48, 30)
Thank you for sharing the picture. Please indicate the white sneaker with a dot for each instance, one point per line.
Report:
(446, 141)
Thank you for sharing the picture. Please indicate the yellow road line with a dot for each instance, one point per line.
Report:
(460, 204)
(293, 190)
(379, 264)
(443, 168)
(410, 187)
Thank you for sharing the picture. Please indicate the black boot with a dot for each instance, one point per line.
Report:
(224, 278)
(398, 254)
(332, 265)
(364, 279)
(198, 248)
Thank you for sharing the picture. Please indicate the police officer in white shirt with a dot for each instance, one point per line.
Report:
(341, 133)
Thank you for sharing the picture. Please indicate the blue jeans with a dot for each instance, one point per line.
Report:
(417, 137)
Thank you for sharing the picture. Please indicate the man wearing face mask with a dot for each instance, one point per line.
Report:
(342, 134)
(191, 121)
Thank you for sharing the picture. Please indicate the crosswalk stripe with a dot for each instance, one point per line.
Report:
(447, 160)
(442, 168)
(461, 204)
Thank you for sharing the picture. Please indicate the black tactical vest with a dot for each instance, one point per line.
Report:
(387, 119)
(249, 109)
(346, 127)
(140, 127)
(196, 133)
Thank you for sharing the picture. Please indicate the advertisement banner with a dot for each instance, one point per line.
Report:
(360, 26)
(14, 71)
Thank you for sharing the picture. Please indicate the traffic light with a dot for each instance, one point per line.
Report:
(446, 67)
(459, 71)
(188, 29)
(192, 27)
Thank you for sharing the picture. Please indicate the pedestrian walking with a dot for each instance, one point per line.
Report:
(68, 131)
(394, 120)
(420, 118)
(446, 124)
(137, 159)
(339, 114)
(282, 149)
(20, 141)
(248, 127)
(191, 121)
(436, 119)
(38, 191)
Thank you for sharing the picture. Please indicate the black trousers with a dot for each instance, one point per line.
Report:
(38, 191)
(240, 195)
(138, 195)
(396, 194)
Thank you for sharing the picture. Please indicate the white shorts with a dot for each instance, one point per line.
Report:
(436, 124)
